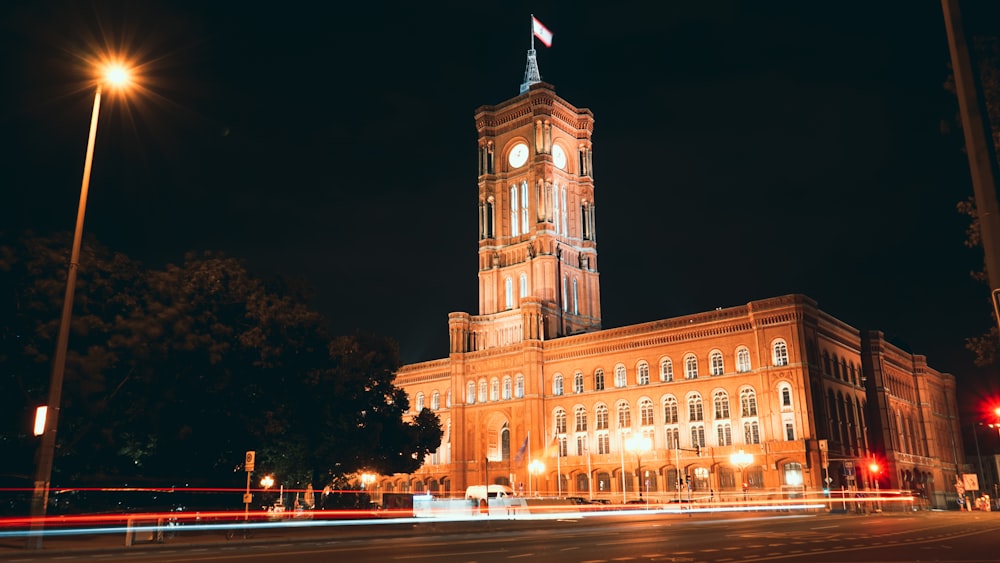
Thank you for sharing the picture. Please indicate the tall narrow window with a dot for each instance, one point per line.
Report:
(751, 432)
(494, 389)
(565, 206)
(560, 421)
(524, 207)
(576, 298)
(742, 360)
(555, 207)
(642, 374)
(523, 279)
(646, 412)
(670, 410)
(557, 384)
(508, 293)
(724, 433)
(601, 417)
(507, 393)
(565, 294)
(482, 391)
(435, 401)
(599, 380)
(666, 370)
(514, 230)
(603, 443)
(578, 382)
(580, 416)
(786, 396)
(715, 359)
(698, 435)
(420, 402)
(780, 353)
(519, 387)
(620, 378)
(748, 403)
(624, 416)
(470, 393)
(721, 402)
(673, 437)
(690, 367)
(696, 411)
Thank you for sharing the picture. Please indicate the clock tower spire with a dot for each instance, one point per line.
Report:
(537, 237)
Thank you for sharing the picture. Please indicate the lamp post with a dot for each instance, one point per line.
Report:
(742, 460)
(639, 445)
(113, 75)
(874, 468)
(536, 468)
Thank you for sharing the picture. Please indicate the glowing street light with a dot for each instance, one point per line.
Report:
(536, 468)
(639, 445)
(875, 469)
(113, 75)
(742, 460)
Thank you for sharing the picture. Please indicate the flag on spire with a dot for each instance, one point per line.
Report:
(541, 32)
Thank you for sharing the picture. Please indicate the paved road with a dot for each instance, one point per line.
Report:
(720, 538)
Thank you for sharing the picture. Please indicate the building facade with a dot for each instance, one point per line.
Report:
(654, 410)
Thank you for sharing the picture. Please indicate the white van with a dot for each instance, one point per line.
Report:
(479, 492)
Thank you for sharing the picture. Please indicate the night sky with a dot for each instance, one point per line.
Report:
(741, 152)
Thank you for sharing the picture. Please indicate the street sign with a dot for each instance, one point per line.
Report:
(251, 456)
(824, 454)
(970, 481)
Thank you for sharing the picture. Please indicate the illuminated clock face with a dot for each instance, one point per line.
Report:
(558, 157)
(518, 155)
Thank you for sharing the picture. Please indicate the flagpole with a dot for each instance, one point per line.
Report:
(532, 32)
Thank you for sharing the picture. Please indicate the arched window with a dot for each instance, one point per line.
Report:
(792, 474)
(601, 417)
(742, 359)
(642, 373)
(524, 285)
(666, 370)
(560, 421)
(565, 294)
(514, 229)
(646, 412)
(715, 360)
(620, 380)
(780, 353)
(519, 387)
(690, 367)
(507, 393)
(721, 403)
(557, 384)
(470, 394)
(580, 417)
(576, 298)
(599, 380)
(786, 395)
(420, 402)
(524, 207)
(578, 382)
(508, 293)
(669, 410)
(482, 391)
(435, 401)
(494, 389)
(447, 400)
(624, 415)
(696, 411)
(748, 403)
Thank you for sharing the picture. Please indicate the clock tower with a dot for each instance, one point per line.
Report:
(537, 239)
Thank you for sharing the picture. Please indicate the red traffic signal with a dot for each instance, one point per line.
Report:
(874, 467)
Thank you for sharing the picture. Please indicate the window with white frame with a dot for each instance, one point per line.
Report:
(748, 402)
(565, 213)
(751, 432)
(673, 437)
(557, 384)
(599, 380)
(603, 443)
(560, 421)
(576, 298)
(670, 409)
(507, 393)
(494, 389)
(690, 367)
(742, 359)
(601, 417)
(785, 391)
(524, 206)
(624, 415)
(578, 382)
(435, 401)
(620, 379)
(666, 370)
(514, 229)
(561, 440)
(482, 391)
(580, 418)
(788, 421)
(556, 215)
(581, 444)
(470, 394)
(420, 402)
(642, 373)
(696, 411)
(523, 282)
(698, 435)
(715, 360)
(565, 294)
(721, 403)
(724, 433)
(508, 293)
(780, 353)
(646, 412)
(447, 400)
(519, 387)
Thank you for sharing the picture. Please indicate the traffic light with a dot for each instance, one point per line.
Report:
(697, 450)
(874, 467)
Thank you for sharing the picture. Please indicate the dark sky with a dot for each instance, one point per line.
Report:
(743, 150)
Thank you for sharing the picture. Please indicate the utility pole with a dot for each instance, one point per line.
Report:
(978, 145)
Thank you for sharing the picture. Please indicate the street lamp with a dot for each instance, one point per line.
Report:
(874, 468)
(114, 75)
(639, 445)
(536, 468)
(742, 461)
